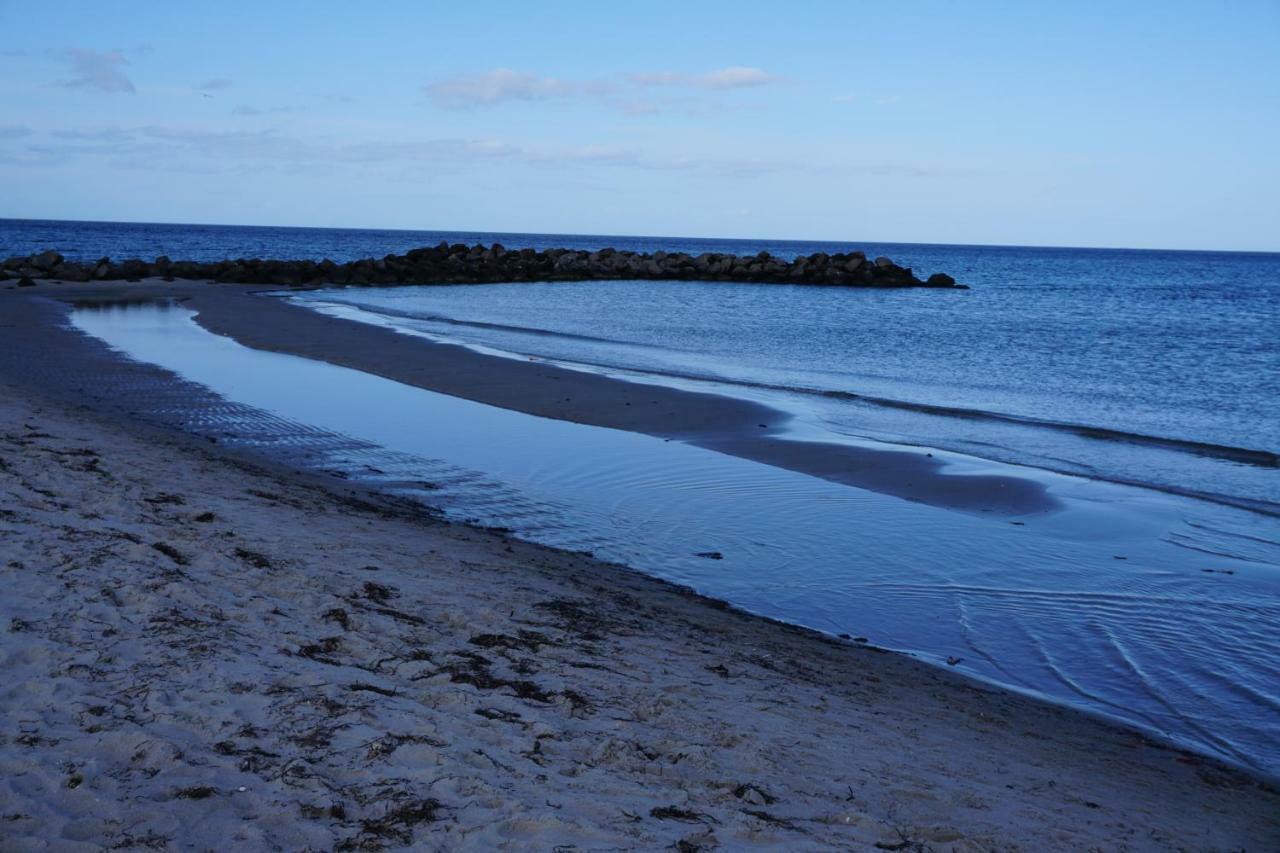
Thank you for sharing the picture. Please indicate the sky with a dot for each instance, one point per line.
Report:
(1131, 124)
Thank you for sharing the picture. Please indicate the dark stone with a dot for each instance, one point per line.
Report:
(941, 279)
(26, 282)
(46, 261)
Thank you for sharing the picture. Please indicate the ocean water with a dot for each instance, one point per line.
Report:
(1159, 368)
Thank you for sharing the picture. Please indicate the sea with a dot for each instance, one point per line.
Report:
(1143, 387)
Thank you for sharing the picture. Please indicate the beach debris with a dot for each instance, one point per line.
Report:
(172, 553)
(379, 593)
(953, 660)
(337, 614)
(677, 813)
(205, 517)
(255, 559)
(500, 715)
(398, 822)
(370, 688)
(773, 820)
(754, 794)
(199, 792)
(527, 640)
(322, 650)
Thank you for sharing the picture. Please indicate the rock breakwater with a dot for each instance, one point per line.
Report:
(461, 264)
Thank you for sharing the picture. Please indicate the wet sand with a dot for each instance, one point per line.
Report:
(201, 652)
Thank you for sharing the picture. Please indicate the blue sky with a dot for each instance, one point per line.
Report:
(1108, 124)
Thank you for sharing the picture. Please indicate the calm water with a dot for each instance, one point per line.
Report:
(1156, 609)
(1157, 368)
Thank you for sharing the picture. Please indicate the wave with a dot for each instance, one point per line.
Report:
(1246, 455)
(480, 324)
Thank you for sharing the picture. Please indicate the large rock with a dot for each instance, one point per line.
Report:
(46, 261)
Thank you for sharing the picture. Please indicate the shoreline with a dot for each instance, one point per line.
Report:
(726, 694)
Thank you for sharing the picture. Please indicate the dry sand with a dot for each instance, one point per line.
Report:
(198, 654)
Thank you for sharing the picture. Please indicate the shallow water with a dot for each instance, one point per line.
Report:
(1108, 604)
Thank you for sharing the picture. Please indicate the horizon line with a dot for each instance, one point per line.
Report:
(642, 236)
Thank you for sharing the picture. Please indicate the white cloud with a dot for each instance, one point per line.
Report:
(502, 85)
(13, 131)
(245, 110)
(494, 87)
(95, 70)
(202, 150)
(733, 77)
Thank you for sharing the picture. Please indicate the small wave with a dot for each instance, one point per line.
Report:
(1248, 456)
(480, 324)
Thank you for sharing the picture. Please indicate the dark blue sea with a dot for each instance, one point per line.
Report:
(1159, 368)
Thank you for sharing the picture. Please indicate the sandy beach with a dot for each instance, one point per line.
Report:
(206, 652)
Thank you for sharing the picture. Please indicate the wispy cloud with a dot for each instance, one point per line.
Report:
(491, 88)
(215, 84)
(875, 100)
(244, 110)
(733, 77)
(202, 150)
(102, 71)
(504, 85)
(13, 131)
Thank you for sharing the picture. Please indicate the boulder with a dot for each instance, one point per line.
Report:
(46, 261)
(940, 279)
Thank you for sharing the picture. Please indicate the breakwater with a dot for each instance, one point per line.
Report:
(461, 264)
